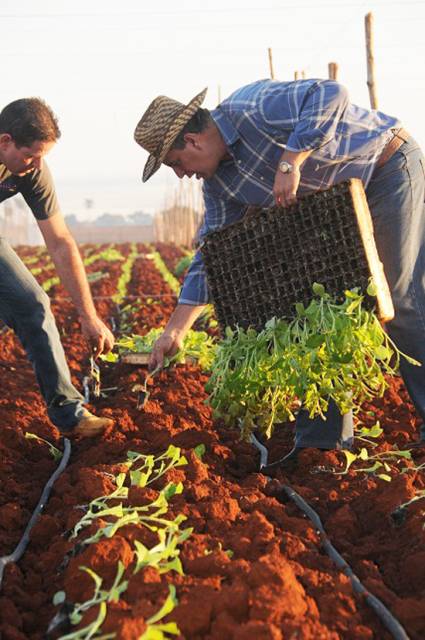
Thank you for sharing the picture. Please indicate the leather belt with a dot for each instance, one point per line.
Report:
(400, 136)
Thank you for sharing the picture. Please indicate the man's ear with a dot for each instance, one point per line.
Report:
(5, 139)
(192, 139)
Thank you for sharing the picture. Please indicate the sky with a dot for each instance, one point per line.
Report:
(99, 64)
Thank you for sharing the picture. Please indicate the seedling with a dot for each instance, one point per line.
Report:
(157, 630)
(152, 468)
(125, 276)
(399, 514)
(366, 433)
(100, 598)
(159, 263)
(330, 351)
(56, 453)
(380, 462)
(164, 555)
(197, 345)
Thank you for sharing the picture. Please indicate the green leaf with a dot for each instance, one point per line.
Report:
(59, 598)
(166, 608)
(199, 451)
(384, 476)
(318, 289)
(372, 289)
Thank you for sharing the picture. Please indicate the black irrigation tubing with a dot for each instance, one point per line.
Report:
(386, 617)
(22, 545)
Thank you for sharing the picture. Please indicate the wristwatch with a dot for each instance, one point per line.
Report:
(285, 167)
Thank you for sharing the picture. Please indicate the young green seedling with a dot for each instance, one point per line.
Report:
(56, 453)
(157, 630)
(100, 599)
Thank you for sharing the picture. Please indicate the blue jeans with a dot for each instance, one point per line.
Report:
(396, 200)
(25, 308)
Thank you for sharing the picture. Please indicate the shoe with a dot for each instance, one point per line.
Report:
(287, 463)
(89, 426)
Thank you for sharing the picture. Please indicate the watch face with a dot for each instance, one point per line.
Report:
(285, 167)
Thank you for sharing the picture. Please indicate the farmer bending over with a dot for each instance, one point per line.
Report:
(270, 142)
(28, 130)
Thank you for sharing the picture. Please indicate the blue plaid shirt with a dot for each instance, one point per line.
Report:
(258, 122)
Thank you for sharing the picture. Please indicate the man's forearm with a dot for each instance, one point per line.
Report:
(182, 318)
(71, 271)
(296, 158)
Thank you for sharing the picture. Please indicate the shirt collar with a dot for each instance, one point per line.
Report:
(225, 126)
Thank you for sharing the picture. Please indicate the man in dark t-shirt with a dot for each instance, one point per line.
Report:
(28, 130)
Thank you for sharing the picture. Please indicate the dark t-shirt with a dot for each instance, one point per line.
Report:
(36, 187)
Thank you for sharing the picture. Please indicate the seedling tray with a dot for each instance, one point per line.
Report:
(260, 266)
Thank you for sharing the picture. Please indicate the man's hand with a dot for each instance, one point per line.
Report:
(286, 184)
(166, 345)
(97, 334)
(182, 318)
(285, 187)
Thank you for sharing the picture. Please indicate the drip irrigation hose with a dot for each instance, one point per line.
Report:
(386, 617)
(22, 545)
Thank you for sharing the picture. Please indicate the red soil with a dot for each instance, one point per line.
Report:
(277, 583)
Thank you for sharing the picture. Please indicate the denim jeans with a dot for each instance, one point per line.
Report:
(25, 308)
(396, 200)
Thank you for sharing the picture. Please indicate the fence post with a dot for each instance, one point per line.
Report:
(370, 61)
(333, 71)
(271, 63)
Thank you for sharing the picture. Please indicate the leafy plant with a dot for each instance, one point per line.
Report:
(108, 255)
(151, 467)
(164, 556)
(330, 351)
(159, 263)
(101, 598)
(183, 264)
(157, 630)
(366, 433)
(50, 282)
(125, 276)
(55, 452)
(380, 462)
(197, 344)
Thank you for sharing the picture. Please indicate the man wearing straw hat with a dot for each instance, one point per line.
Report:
(271, 141)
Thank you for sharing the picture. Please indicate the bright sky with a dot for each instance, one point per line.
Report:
(99, 63)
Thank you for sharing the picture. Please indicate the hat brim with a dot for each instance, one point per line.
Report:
(154, 161)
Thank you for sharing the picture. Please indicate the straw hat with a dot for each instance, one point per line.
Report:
(160, 125)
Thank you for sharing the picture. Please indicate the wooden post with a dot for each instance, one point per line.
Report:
(370, 61)
(333, 71)
(271, 63)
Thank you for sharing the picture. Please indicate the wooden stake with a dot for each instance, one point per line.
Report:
(370, 61)
(333, 71)
(271, 63)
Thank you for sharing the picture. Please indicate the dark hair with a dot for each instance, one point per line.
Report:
(200, 120)
(29, 120)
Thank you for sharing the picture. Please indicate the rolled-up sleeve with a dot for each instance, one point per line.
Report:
(303, 115)
(320, 113)
(218, 213)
